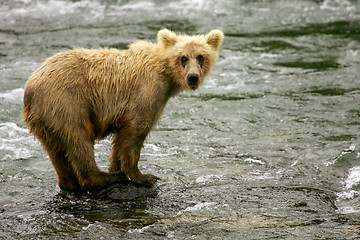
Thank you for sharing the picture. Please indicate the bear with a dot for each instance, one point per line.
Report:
(82, 95)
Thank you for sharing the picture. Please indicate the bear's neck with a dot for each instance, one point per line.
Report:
(174, 87)
(153, 55)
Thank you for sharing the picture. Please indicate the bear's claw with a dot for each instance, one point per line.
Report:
(147, 180)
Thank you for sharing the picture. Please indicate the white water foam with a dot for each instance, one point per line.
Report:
(16, 143)
(338, 5)
(353, 179)
(208, 178)
(53, 8)
(351, 192)
(13, 96)
(198, 207)
(92, 10)
(256, 161)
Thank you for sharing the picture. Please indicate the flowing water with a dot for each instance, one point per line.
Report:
(267, 148)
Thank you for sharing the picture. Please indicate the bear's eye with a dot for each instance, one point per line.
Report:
(183, 60)
(200, 59)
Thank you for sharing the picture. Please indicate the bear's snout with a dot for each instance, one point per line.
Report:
(193, 80)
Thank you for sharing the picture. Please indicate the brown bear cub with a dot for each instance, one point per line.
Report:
(82, 95)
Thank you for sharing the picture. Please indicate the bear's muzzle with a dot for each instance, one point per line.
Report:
(193, 80)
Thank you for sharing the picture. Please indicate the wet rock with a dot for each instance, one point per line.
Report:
(126, 191)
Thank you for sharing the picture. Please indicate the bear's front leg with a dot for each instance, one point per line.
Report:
(125, 156)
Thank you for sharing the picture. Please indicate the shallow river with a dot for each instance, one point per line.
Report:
(267, 148)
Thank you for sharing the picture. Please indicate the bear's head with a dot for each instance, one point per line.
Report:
(190, 58)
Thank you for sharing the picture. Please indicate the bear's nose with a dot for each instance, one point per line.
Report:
(193, 80)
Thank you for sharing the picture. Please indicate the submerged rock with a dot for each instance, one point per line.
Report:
(126, 191)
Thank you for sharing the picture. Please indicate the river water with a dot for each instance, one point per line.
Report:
(267, 148)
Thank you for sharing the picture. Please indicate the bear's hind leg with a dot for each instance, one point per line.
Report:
(81, 157)
(53, 145)
(67, 180)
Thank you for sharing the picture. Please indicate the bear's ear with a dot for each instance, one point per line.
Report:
(215, 38)
(167, 38)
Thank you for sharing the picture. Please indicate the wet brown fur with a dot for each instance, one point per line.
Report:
(82, 95)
